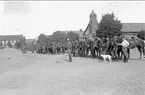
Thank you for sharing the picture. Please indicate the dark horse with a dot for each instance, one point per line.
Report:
(139, 44)
(97, 45)
(94, 47)
(89, 46)
(112, 48)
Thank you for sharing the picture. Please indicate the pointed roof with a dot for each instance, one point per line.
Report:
(92, 13)
(90, 26)
(86, 29)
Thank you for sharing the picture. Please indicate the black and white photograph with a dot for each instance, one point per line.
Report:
(72, 47)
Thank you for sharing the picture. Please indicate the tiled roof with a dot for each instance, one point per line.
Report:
(130, 27)
(133, 27)
(78, 32)
(10, 37)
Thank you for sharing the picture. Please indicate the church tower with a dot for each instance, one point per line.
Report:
(90, 31)
(93, 18)
(93, 23)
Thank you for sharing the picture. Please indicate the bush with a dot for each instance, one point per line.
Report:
(141, 34)
(73, 36)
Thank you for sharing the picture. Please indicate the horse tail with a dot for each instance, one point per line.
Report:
(143, 48)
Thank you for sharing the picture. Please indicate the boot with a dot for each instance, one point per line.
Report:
(70, 58)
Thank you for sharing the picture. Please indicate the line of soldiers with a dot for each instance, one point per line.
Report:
(79, 48)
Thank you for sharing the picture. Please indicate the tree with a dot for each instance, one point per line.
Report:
(41, 37)
(59, 36)
(109, 26)
(141, 34)
(73, 36)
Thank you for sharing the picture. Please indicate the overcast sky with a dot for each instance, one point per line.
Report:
(31, 18)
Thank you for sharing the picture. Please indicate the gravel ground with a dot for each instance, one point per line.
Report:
(33, 74)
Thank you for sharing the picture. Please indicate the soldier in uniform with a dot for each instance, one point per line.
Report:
(73, 48)
(69, 50)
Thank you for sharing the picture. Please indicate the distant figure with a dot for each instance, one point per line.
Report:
(69, 50)
(1, 45)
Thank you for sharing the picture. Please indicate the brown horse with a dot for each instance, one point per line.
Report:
(139, 44)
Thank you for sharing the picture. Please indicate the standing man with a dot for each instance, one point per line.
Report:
(125, 49)
(69, 50)
(73, 48)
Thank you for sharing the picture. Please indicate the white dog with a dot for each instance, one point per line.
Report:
(105, 57)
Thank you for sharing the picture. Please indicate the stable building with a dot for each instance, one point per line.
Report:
(132, 29)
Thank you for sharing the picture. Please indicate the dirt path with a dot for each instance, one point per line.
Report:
(33, 74)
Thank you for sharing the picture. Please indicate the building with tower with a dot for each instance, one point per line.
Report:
(90, 31)
(128, 29)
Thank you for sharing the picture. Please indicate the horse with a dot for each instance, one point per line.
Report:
(80, 48)
(74, 48)
(83, 48)
(50, 49)
(112, 48)
(139, 44)
(97, 45)
(90, 46)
